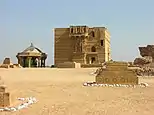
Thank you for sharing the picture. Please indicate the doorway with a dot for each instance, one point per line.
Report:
(93, 59)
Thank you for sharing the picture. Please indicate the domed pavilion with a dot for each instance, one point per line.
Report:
(32, 57)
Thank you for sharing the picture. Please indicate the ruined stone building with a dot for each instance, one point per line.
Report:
(82, 44)
(147, 58)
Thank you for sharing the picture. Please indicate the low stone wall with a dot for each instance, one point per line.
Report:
(90, 65)
(69, 65)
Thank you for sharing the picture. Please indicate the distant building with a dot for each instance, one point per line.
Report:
(32, 57)
(82, 44)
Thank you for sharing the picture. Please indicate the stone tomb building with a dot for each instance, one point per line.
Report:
(117, 73)
(82, 44)
(32, 57)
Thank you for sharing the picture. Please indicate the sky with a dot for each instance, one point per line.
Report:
(130, 22)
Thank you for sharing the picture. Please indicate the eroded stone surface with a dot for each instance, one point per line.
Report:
(147, 56)
(4, 99)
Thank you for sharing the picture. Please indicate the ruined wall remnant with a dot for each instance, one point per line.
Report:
(8, 64)
(143, 60)
(147, 58)
(7, 61)
(116, 73)
(147, 51)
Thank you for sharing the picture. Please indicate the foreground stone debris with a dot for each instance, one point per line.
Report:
(115, 74)
(29, 101)
(114, 85)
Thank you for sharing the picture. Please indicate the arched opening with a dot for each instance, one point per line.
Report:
(102, 42)
(71, 30)
(93, 49)
(93, 60)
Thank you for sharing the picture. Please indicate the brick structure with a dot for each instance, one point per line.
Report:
(4, 97)
(117, 73)
(82, 44)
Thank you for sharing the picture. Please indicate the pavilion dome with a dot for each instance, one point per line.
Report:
(32, 49)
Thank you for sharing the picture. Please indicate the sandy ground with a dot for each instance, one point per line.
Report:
(61, 92)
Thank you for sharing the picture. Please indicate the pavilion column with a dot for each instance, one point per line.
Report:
(42, 60)
(89, 60)
(19, 60)
(44, 63)
(29, 61)
(23, 62)
(39, 62)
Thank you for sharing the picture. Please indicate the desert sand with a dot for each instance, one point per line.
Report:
(61, 92)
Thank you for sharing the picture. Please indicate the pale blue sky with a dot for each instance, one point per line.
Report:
(130, 22)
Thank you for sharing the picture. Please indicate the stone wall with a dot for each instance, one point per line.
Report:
(63, 46)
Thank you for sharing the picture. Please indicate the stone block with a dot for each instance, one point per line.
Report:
(4, 99)
(116, 73)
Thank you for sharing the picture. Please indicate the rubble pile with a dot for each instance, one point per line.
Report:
(145, 71)
(25, 103)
